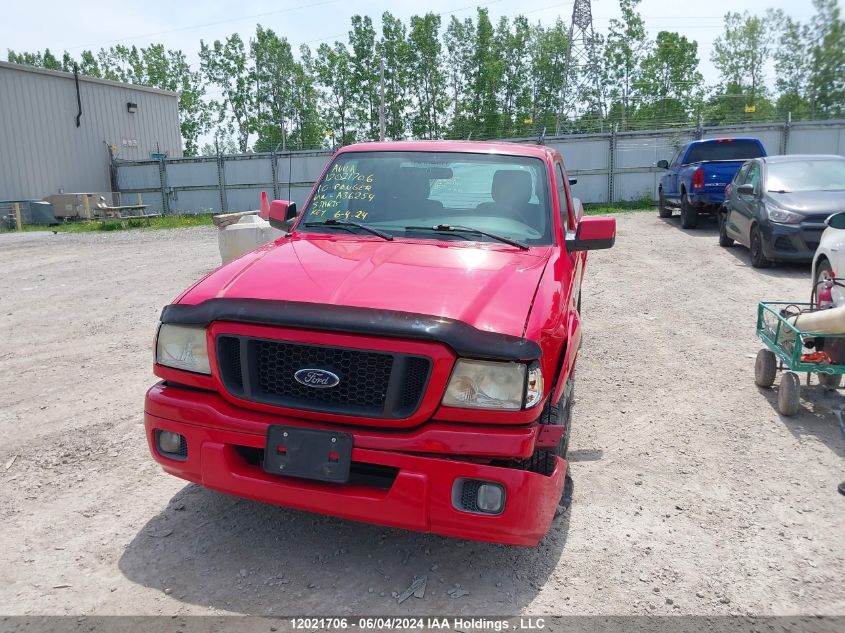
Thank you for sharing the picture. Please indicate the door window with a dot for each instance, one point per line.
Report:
(561, 192)
(742, 175)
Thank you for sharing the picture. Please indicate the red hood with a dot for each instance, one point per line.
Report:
(489, 287)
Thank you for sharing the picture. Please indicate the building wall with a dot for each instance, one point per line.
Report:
(41, 149)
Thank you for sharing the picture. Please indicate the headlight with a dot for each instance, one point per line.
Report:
(782, 216)
(482, 384)
(182, 347)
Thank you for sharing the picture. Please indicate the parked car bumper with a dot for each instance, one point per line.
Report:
(790, 242)
(224, 445)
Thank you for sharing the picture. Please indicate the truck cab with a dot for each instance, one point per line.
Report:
(403, 355)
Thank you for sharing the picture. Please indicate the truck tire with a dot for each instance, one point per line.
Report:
(724, 240)
(662, 210)
(765, 368)
(789, 394)
(689, 214)
(544, 461)
(755, 249)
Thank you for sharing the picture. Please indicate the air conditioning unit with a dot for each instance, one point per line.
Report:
(81, 206)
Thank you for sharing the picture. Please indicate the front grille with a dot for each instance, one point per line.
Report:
(371, 384)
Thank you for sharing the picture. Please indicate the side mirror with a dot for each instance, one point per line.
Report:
(745, 190)
(282, 214)
(836, 221)
(663, 164)
(592, 234)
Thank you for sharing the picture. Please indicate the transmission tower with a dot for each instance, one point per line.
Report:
(581, 90)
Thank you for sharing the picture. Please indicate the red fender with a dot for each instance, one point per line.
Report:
(573, 344)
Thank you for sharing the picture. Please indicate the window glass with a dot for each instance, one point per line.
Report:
(724, 149)
(505, 195)
(742, 176)
(754, 176)
(561, 190)
(677, 157)
(806, 175)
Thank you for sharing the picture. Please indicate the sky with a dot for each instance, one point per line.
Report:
(92, 24)
(75, 26)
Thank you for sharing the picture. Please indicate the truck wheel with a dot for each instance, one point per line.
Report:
(560, 414)
(758, 259)
(724, 240)
(830, 381)
(689, 215)
(765, 368)
(662, 211)
(789, 394)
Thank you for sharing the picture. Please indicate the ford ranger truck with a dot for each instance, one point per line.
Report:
(402, 356)
(697, 175)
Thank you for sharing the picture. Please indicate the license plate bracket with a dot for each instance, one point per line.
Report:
(308, 453)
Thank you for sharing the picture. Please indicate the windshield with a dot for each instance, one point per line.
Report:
(395, 191)
(806, 175)
(727, 149)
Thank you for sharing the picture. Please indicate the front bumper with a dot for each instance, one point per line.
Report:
(220, 439)
(791, 242)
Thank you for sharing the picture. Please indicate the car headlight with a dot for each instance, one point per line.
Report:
(782, 216)
(480, 384)
(182, 347)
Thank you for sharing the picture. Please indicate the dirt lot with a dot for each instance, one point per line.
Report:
(692, 495)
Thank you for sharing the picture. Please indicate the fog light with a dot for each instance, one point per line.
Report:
(480, 497)
(491, 498)
(172, 444)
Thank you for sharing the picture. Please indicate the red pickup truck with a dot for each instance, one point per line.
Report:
(403, 355)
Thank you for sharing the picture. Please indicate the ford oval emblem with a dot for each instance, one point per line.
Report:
(317, 378)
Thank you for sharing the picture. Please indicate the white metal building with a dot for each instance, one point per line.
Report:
(55, 131)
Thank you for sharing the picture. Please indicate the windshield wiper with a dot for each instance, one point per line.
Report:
(778, 191)
(448, 228)
(349, 223)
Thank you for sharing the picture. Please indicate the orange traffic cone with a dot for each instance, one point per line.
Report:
(264, 212)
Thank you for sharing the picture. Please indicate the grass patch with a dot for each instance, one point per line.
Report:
(164, 222)
(619, 207)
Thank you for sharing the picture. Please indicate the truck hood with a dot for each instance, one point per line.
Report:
(810, 202)
(489, 287)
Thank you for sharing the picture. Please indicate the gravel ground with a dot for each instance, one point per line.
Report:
(692, 495)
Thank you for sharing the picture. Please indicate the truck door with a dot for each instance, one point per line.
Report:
(746, 204)
(670, 186)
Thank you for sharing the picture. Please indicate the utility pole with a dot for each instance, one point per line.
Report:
(381, 102)
(581, 81)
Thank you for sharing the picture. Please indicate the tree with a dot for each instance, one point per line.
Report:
(669, 85)
(227, 66)
(333, 68)
(515, 93)
(459, 41)
(427, 80)
(827, 55)
(792, 56)
(394, 50)
(740, 54)
(364, 76)
(547, 51)
(485, 78)
(624, 51)
(274, 71)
